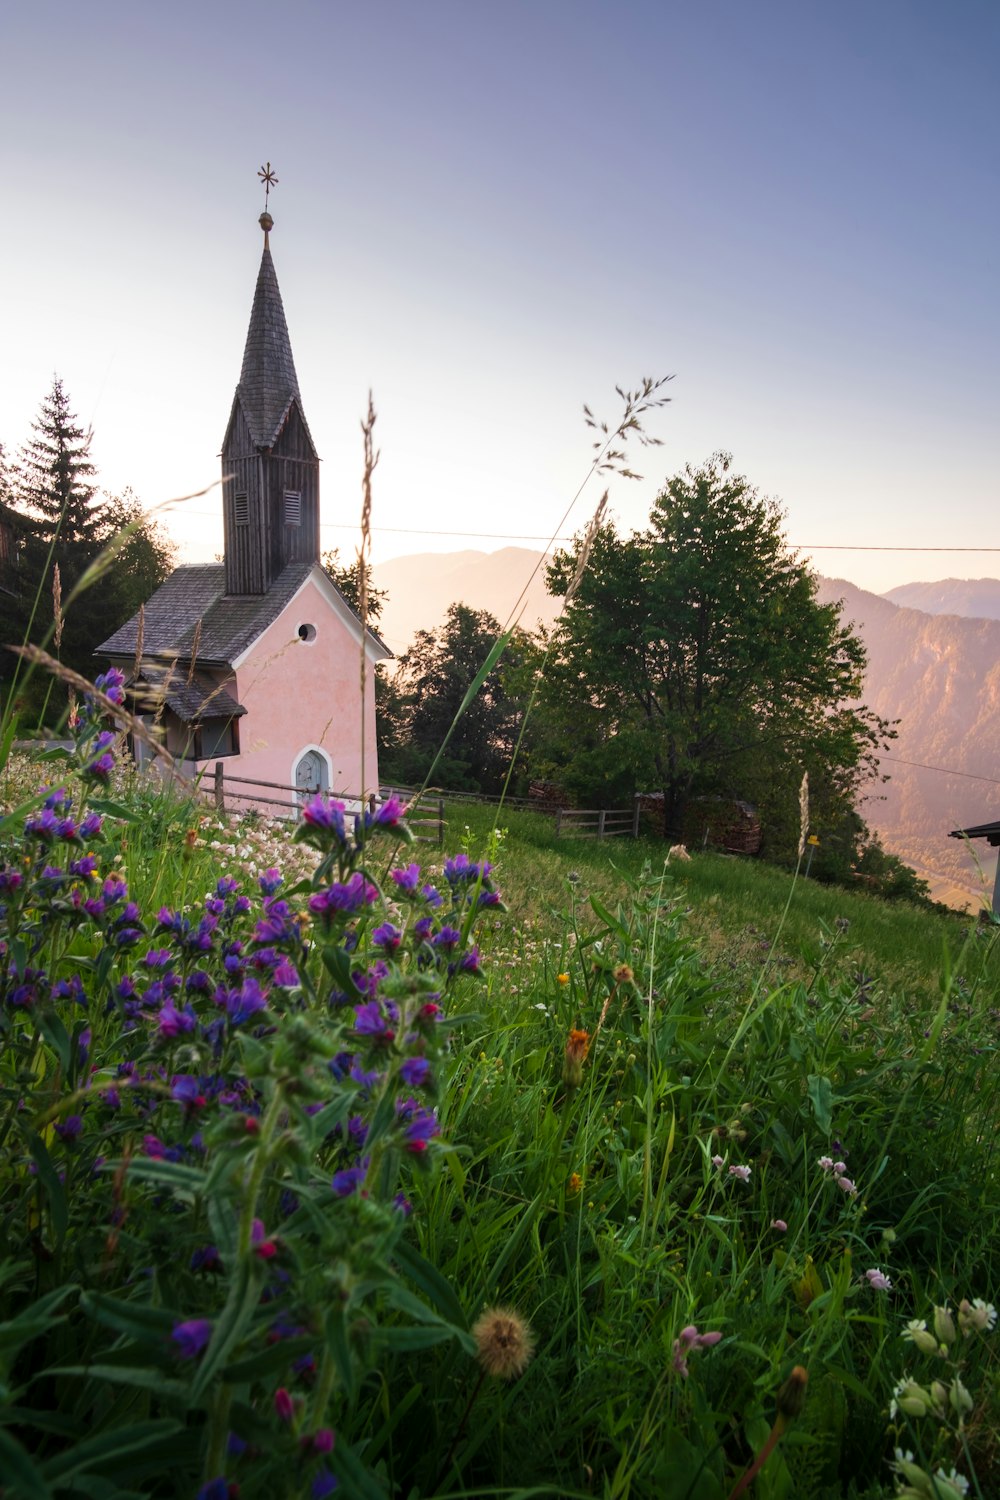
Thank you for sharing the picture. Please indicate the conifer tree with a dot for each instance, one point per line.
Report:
(55, 481)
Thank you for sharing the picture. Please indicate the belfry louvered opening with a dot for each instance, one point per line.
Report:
(293, 508)
(241, 508)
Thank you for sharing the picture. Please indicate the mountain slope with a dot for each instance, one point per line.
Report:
(422, 587)
(939, 675)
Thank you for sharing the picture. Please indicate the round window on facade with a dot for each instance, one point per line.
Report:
(307, 633)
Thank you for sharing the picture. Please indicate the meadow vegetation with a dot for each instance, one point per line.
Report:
(370, 1179)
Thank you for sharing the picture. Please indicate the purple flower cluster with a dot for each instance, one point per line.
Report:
(289, 1059)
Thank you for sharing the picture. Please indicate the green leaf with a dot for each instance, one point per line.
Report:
(49, 1179)
(143, 1377)
(820, 1091)
(22, 1479)
(414, 1338)
(340, 1351)
(94, 1451)
(434, 1286)
(358, 1482)
(279, 1356)
(115, 810)
(606, 917)
(231, 1325)
(35, 1319)
(55, 1033)
(135, 1319)
(186, 1181)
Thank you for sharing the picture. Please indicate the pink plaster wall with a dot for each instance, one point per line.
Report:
(302, 694)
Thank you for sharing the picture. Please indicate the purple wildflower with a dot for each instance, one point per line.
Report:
(343, 898)
(387, 936)
(369, 1021)
(173, 1022)
(70, 1128)
(286, 976)
(112, 684)
(407, 879)
(324, 1483)
(215, 1489)
(327, 815)
(348, 1181)
(191, 1337)
(419, 1126)
(269, 881)
(43, 825)
(415, 1072)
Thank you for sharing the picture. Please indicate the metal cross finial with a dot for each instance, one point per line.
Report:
(269, 180)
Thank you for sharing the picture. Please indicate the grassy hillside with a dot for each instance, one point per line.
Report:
(646, 1180)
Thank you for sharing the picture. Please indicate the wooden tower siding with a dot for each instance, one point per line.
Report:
(241, 474)
(292, 465)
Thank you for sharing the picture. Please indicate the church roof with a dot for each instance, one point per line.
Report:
(268, 383)
(229, 622)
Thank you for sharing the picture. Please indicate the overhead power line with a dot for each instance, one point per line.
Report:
(523, 536)
(946, 770)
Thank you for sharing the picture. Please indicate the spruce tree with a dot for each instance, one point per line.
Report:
(54, 482)
(63, 524)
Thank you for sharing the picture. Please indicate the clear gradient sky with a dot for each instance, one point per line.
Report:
(493, 213)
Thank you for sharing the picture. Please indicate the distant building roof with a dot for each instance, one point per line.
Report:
(988, 831)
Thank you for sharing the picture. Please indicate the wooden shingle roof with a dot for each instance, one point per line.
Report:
(229, 622)
(268, 383)
(190, 700)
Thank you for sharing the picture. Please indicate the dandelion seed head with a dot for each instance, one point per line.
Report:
(504, 1342)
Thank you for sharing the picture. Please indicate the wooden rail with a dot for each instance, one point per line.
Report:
(428, 829)
(597, 823)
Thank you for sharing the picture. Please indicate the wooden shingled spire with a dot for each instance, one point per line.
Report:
(270, 466)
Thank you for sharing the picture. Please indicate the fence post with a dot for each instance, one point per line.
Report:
(600, 823)
(558, 821)
(635, 819)
(440, 822)
(220, 794)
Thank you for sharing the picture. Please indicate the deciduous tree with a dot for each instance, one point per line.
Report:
(695, 657)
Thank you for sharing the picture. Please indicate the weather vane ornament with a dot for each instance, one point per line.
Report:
(269, 180)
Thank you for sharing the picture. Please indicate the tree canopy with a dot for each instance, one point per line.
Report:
(418, 705)
(57, 519)
(347, 577)
(695, 658)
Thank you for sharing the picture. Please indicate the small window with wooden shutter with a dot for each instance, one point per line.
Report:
(241, 508)
(293, 508)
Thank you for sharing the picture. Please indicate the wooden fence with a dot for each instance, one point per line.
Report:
(428, 825)
(597, 823)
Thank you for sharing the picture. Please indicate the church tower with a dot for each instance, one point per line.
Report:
(270, 467)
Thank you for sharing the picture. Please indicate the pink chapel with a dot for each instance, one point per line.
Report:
(256, 661)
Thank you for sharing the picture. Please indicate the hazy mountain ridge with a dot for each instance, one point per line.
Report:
(973, 598)
(423, 586)
(936, 671)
